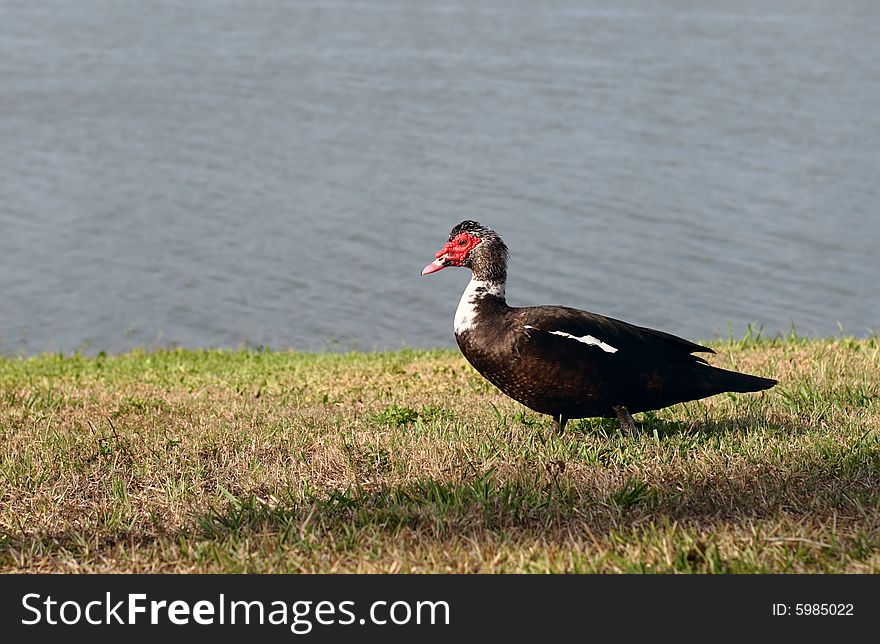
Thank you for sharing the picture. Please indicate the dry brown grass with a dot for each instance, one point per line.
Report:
(257, 461)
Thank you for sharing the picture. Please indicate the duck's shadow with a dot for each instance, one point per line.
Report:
(651, 425)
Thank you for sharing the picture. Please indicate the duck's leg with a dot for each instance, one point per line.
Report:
(627, 424)
(559, 423)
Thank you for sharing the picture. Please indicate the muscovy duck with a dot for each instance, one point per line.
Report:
(569, 363)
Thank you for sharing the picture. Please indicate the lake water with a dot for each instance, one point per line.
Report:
(219, 173)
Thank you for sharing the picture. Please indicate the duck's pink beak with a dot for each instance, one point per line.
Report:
(437, 265)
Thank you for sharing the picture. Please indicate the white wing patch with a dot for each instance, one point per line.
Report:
(586, 339)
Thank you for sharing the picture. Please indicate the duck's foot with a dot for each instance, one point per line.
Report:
(559, 423)
(627, 424)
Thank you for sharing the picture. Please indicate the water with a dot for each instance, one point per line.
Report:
(220, 173)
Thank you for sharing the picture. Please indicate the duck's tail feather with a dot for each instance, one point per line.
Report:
(726, 380)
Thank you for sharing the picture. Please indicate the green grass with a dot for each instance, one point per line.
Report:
(260, 461)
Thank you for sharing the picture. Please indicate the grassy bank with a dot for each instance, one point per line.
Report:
(409, 461)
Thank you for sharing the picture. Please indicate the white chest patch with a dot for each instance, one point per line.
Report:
(466, 313)
(586, 339)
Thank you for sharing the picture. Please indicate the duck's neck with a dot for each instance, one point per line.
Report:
(479, 293)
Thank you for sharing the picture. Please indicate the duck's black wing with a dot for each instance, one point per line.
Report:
(608, 335)
(590, 357)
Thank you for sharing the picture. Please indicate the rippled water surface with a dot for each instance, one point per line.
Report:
(216, 173)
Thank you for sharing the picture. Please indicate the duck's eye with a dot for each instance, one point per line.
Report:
(462, 242)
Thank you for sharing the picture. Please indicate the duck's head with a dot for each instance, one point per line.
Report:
(472, 246)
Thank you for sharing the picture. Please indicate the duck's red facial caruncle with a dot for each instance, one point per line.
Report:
(454, 253)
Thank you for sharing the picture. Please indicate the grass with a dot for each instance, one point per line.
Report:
(259, 461)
